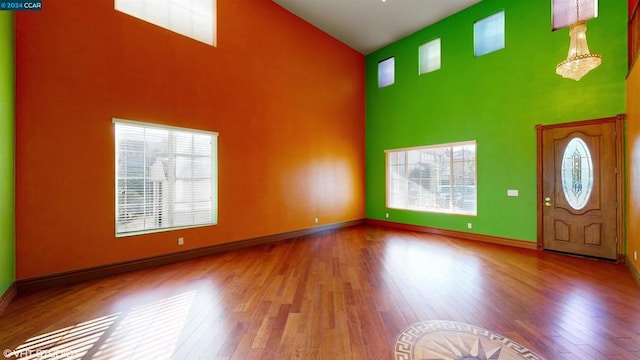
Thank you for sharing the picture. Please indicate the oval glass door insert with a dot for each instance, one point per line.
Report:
(577, 173)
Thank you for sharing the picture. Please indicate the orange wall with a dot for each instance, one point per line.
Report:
(633, 164)
(287, 100)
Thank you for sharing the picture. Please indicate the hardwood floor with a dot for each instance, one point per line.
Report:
(339, 295)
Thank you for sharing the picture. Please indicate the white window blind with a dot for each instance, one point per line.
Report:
(488, 34)
(165, 177)
(438, 178)
(192, 18)
(429, 54)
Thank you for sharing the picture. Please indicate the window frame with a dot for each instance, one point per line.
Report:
(213, 220)
(452, 210)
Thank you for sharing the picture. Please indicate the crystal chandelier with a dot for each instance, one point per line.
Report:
(579, 61)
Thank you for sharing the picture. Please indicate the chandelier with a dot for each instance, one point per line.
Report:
(579, 60)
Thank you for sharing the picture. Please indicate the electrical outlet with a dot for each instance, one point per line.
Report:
(469, 225)
(316, 220)
(180, 241)
(386, 215)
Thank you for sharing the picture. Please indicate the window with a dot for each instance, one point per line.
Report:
(386, 72)
(429, 55)
(192, 18)
(577, 173)
(568, 12)
(166, 177)
(439, 178)
(488, 34)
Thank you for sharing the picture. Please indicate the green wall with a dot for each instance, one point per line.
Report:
(7, 153)
(496, 99)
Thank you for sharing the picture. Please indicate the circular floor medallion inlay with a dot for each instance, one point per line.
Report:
(448, 340)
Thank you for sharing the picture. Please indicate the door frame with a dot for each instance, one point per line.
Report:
(620, 178)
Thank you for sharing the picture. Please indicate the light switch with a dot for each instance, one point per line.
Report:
(512, 192)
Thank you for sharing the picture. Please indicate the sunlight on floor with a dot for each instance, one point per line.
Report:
(430, 265)
(575, 305)
(151, 331)
(69, 343)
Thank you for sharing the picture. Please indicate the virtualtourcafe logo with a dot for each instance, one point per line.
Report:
(20, 4)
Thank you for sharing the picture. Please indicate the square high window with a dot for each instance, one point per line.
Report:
(488, 34)
(429, 55)
(386, 72)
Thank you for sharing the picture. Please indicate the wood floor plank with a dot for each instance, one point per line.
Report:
(345, 294)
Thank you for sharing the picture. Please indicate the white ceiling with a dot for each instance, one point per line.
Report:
(368, 25)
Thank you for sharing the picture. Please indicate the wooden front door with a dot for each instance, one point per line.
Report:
(579, 195)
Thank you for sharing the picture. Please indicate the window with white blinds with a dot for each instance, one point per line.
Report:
(192, 18)
(166, 177)
(439, 178)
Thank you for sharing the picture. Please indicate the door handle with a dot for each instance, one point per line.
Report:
(547, 202)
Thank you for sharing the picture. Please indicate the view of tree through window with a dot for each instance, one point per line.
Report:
(165, 177)
(438, 178)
